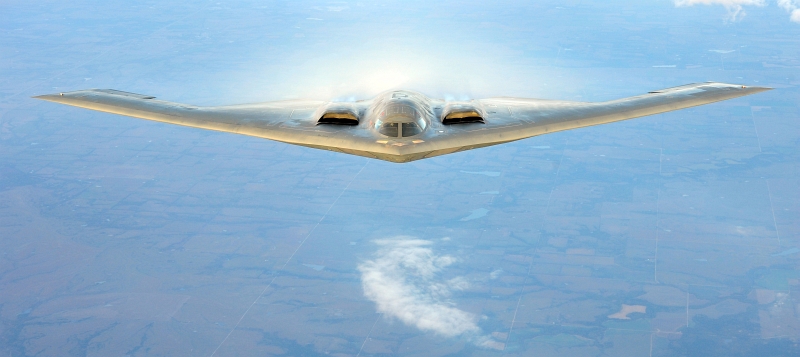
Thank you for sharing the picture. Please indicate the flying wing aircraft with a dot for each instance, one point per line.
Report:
(401, 126)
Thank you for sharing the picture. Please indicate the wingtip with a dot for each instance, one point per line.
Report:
(49, 97)
(757, 89)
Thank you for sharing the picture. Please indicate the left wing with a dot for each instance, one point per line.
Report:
(510, 119)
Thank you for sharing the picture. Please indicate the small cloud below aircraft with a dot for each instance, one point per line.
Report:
(404, 280)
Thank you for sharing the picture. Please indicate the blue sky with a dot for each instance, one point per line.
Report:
(123, 236)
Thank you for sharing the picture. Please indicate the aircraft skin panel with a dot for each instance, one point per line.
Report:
(504, 119)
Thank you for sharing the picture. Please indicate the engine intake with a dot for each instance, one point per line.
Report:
(339, 114)
(461, 113)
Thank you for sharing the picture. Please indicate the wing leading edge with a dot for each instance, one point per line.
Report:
(506, 119)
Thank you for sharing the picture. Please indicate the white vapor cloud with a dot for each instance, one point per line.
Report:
(735, 10)
(793, 7)
(402, 281)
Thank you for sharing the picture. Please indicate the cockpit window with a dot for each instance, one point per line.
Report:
(400, 120)
(411, 129)
(388, 129)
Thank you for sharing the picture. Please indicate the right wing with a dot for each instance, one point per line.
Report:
(293, 122)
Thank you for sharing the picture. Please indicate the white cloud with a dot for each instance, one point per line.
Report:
(734, 7)
(495, 274)
(793, 7)
(402, 281)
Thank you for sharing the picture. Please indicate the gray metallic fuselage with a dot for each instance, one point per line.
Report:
(402, 126)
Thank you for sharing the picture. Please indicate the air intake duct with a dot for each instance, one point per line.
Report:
(462, 113)
(339, 114)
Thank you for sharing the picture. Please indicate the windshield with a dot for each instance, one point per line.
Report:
(410, 129)
(400, 120)
(388, 129)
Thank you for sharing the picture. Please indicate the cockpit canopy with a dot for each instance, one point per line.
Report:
(400, 120)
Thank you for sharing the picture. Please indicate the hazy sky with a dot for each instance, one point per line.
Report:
(671, 234)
